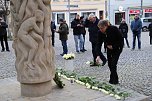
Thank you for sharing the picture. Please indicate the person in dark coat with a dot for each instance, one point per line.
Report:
(92, 24)
(77, 26)
(150, 32)
(3, 35)
(114, 40)
(53, 28)
(136, 26)
(83, 31)
(63, 35)
(124, 30)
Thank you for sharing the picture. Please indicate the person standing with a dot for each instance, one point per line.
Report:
(78, 37)
(114, 41)
(3, 35)
(150, 32)
(124, 30)
(63, 35)
(92, 24)
(136, 26)
(83, 31)
(53, 28)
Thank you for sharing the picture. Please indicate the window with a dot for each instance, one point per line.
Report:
(72, 16)
(60, 16)
(86, 14)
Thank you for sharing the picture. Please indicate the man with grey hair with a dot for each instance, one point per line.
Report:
(114, 41)
(92, 24)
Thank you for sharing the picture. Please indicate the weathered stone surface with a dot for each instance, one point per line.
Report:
(34, 53)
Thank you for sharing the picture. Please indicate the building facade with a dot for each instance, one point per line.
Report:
(67, 9)
(126, 9)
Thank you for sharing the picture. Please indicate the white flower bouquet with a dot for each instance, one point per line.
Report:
(69, 56)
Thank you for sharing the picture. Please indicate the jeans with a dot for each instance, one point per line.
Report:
(134, 40)
(79, 42)
(64, 45)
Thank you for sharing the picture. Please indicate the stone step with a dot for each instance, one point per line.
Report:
(10, 91)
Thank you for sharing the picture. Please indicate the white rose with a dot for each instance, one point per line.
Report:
(104, 91)
(117, 97)
(88, 62)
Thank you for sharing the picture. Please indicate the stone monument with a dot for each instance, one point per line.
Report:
(33, 49)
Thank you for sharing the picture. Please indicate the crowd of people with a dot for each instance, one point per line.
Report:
(102, 32)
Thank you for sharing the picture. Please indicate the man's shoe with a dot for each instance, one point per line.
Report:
(2, 50)
(8, 50)
(61, 54)
(82, 50)
(114, 83)
(104, 62)
(132, 49)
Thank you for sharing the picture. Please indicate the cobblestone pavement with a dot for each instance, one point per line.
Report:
(134, 67)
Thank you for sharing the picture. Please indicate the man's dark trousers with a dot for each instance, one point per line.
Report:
(4, 38)
(113, 57)
(103, 58)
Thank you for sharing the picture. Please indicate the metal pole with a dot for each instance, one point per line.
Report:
(109, 10)
(106, 9)
(141, 10)
(69, 10)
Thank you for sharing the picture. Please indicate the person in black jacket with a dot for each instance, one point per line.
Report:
(150, 32)
(92, 24)
(3, 35)
(53, 28)
(114, 40)
(77, 32)
(83, 31)
(124, 30)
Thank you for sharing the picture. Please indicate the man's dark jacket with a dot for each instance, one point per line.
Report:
(124, 29)
(76, 29)
(3, 27)
(114, 37)
(93, 30)
(150, 29)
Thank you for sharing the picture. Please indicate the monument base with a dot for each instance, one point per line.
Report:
(36, 90)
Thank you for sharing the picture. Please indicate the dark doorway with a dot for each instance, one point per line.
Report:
(100, 15)
(119, 17)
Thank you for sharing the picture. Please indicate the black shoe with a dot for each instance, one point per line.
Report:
(78, 51)
(8, 50)
(82, 50)
(104, 62)
(61, 54)
(114, 83)
(2, 50)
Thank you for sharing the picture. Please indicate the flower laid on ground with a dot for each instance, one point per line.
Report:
(92, 83)
(91, 63)
(57, 80)
(69, 56)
